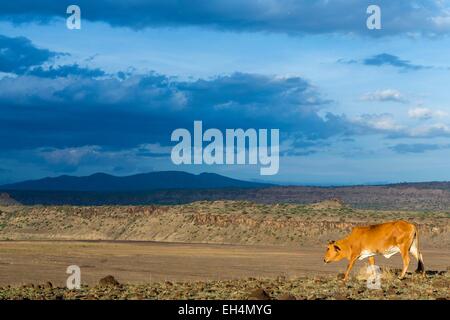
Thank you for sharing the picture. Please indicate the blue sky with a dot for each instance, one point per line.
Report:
(352, 105)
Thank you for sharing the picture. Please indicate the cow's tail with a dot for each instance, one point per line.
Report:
(416, 252)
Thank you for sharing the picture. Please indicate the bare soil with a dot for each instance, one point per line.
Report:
(148, 270)
(24, 262)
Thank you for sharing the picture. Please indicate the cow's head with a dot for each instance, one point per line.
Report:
(333, 253)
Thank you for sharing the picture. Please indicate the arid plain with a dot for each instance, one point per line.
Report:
(219, 249)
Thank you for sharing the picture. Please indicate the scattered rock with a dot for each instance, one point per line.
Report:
(47, 285)
(108, 281)
(258, 294)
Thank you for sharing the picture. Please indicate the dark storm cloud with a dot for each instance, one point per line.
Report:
(65, 71)
(18, 54)
(285, 16)
(118, 113)
(72, 106)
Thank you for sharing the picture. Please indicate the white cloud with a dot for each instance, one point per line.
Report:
(77, 155)
(71, 156)
(380, 122)
(425, 113)
(155, 148)
(433, 130)
(385, 95)
(442, 21)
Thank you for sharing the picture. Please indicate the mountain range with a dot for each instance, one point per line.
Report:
(177, 187)
(160, 180)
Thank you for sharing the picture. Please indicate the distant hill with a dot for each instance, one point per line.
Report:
(101, 182)
(175, 187)
(437, 185)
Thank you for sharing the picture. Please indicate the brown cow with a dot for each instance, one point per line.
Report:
(387, 239)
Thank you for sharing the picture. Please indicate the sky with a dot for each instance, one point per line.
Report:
(353, 105)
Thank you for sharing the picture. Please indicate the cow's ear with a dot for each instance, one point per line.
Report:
(330, 241)
(337, 248)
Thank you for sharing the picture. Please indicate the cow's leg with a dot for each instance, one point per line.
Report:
(351, 262)
(405, 257)
(414, 250)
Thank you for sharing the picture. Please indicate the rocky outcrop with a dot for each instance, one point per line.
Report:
(212, 222)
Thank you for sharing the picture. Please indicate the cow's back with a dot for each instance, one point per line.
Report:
(381, 237)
